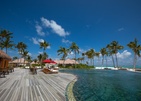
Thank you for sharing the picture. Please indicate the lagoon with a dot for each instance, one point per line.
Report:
(106, 85)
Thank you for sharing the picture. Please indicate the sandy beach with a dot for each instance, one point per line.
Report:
(22, 85)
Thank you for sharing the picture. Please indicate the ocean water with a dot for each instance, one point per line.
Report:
(106, 85)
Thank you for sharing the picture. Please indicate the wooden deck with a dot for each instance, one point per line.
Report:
(21, 85)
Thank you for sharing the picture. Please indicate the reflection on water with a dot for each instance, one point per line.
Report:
(106, 85)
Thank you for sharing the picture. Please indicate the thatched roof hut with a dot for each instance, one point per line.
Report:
(4, 59)
(67, 61)
(3, 55)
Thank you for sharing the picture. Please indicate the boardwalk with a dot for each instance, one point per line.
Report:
(21, 85)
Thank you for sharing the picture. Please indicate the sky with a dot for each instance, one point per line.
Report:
(88, 23)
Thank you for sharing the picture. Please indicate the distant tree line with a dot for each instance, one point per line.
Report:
(111, 50)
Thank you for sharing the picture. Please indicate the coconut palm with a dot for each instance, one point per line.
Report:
(5, 40)
(64, 51)
(92, 52)
(14, 58)
(90, 55)
(103, 53)
(136, 49)
(29, 59)
(35, 60)
(74, 48)
(44, 45)
(40, 56)
(83, 56)
(110, 53)
(45, 56)
(21, 47)
(24, 55)
(97, 54)
(115, 46)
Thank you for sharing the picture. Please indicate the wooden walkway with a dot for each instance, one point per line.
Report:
(21, 85)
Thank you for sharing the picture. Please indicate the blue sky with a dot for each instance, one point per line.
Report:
(88, 23)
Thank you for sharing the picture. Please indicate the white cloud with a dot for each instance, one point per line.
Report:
(66, 41)
(54, 26)
(29, 54)
(40, 52)
(39, 30)
(41, 40)
(48, 47)
(124, 54)
(120, 29)
(36, 41)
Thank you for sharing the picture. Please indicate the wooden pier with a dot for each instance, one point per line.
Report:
(22, 85)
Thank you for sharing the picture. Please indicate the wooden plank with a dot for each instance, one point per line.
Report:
(21, 85)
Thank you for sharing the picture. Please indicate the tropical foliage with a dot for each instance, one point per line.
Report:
(113, 48)
(136, 49)
(5, 40)
(74, 48)
(64, 52)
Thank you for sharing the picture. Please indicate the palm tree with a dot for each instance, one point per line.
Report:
(5, 40)
(45, 56)
(24, 55)
(136, 49)
(110, 53)
(115, 46)
(44, 45)
(103, 53)
(21, 48)
(35, 60)
(29, 59)
(40, 56)
(64, 51)
(83, 56)
(74, 48)
(90, 54)
(97, 54)
(14, 58)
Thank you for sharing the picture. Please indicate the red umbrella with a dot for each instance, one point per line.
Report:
(53, 62)
(49, 61)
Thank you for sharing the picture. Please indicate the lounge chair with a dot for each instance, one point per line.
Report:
(49, 71)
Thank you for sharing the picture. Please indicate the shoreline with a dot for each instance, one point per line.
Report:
(69, 91)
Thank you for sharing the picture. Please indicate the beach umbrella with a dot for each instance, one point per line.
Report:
(49, 61)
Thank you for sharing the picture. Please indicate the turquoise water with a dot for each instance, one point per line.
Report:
(106, 85)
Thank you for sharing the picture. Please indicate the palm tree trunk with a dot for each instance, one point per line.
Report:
(64, 63)
(93, 61)
(116, 60)
(106, 61)
(102, 60)
(113, 61)
(75, 59)
(6, 50)
(135, 60)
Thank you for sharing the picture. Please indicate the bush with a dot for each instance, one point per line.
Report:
(78, 66)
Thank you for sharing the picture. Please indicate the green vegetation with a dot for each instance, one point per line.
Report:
(85, 59)
(78, 66)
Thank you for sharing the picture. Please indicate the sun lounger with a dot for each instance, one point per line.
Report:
(49, 71)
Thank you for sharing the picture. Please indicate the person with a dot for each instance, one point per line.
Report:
(35, 70)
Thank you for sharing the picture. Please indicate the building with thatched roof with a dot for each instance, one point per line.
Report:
(66, 62)
(4, 59)
(19, 62)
